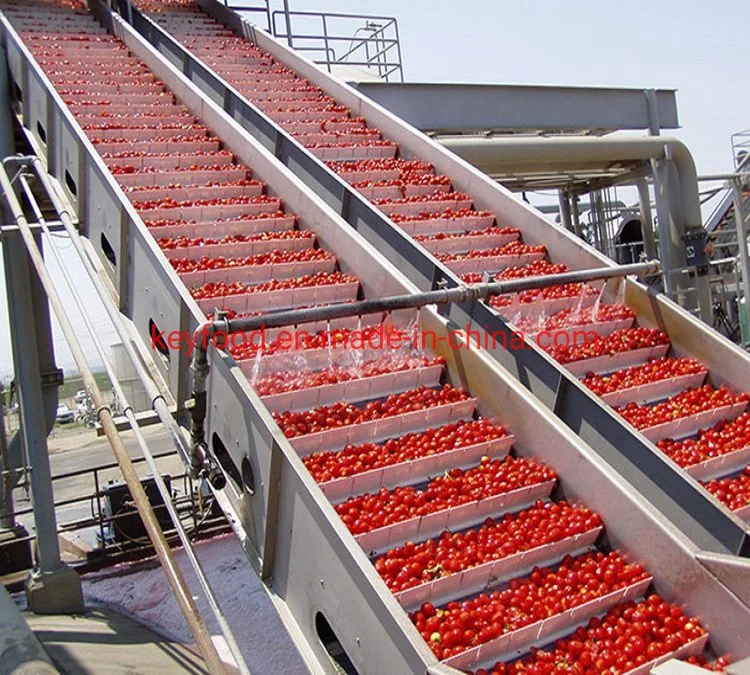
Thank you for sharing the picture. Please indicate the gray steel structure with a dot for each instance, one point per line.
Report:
(312, 565)
(440, 108)
(677, 495)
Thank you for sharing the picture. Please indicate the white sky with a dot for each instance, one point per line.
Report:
(695, 47)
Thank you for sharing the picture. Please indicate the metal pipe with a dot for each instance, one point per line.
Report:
(288, 21)
(723, 176)
(443, 296)
(575, 212)
(143, 445)
(652, 109)
(563, 199)
(151, 524)
(29, 445)
(202, 467)
(495, 154)
(460, 294)
(739, 222)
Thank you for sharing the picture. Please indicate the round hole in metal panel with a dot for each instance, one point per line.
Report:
(248, 475)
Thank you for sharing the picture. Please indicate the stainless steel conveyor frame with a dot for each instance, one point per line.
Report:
(651, 473)
(312, 566)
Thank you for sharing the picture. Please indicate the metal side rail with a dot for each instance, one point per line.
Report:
(650, 472)
(141, 500)
(339, 609)
(129, 414)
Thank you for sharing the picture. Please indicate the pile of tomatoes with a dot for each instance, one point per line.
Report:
(722, 438)
(185, 265)
(490, 477)
(174, 243)
(219, 222)
(356, 459)
(360, 144)
(403, 166)
(569, 318)
(446, 214)
(236, 183)
(623, 340)
(686, 403)
(629, 636)
(402, 184)
(538, 268)
(459, 626)
(425, 199)
(574, 290)
(513, 248)
(417, 563)
(219, 289)
(129, 154)
(343, 414)
(492, 230)
(733, 491)
(195, 135)
(294, 380)
(169, 203)
(359, 338)
(652, 371)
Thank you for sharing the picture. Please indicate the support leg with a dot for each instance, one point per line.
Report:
(52, 587)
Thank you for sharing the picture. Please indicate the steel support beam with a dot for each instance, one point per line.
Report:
(647, 221)
(575, 213)
(7, 520)
(565, 217)
(442, 107)
(7, 144)
(739, 221)
(25, 315)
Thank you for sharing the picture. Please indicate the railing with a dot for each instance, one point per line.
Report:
(188, 503)
(740, 147)
(261, 7)
(332, 39)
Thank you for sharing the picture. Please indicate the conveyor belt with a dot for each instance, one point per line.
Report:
(410, 506)
(469, 242)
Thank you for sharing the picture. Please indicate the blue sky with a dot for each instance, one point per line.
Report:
(694, 47)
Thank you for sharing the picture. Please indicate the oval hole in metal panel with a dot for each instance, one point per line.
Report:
(109, 252)
(157, 339)
(248, 475)
(71, 183)
(335, 649)
(225, 460)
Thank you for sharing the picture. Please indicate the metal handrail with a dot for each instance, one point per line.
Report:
(383, 44)
(99, 519)
(264, 9)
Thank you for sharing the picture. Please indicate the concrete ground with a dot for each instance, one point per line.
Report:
(103, 641)
(141, 591)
